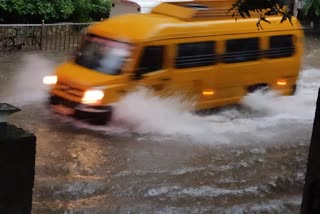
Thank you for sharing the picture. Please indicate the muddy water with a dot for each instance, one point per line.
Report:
(157, 157)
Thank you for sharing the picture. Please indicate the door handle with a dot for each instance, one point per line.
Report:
(157, 87)
(121, 91)
(165, 79)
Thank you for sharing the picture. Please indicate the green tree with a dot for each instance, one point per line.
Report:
(90, 10)
(312, 8)
(312, 13)
(264, 8)
(34, 11)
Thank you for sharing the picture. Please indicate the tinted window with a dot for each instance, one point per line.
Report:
(103, 55)
(241, 50)
(151, 60)
(197, 6)
(195, 54)
(280, 46)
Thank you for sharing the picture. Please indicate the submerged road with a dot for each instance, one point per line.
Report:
(156, 157)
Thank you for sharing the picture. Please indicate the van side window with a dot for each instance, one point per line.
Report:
(280, 46)
(151, 59)
(195, 54)
(242, 50)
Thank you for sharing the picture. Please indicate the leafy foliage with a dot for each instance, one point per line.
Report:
(312, 8)
(34, 11)
(263, 8)
(86, 10)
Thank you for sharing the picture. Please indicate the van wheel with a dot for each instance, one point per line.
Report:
(263, 87)
(102, 120)
(294, 89)
(94, 119)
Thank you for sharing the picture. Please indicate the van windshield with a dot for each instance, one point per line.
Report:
(103, 55)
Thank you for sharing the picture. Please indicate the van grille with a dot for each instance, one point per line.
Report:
(69, 89)
(55, 100)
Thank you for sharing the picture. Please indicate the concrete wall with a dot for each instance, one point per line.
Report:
(17, 170)
(311, 193)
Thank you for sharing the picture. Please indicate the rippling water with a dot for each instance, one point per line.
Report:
(158, 157)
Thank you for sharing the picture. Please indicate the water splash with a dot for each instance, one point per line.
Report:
(260, 115)
(145, 113)
(25, 86)
(160, 118)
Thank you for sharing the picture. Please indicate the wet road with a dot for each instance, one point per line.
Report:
(156, 157)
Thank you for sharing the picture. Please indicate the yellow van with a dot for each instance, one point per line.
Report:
(191, 48)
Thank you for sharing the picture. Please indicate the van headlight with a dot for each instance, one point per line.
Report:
(50, 80)
(92, 96)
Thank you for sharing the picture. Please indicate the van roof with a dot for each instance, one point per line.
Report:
(134, 28)
(152, 3)
(143, 3)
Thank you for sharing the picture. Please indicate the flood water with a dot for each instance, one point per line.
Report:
(158, 157)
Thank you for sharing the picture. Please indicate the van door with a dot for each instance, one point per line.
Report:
(194, 61)
(241, 66)
(152, 71)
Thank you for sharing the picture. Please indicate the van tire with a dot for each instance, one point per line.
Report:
(263, 87)
(94, 119)
(294, 89)
(103, 120)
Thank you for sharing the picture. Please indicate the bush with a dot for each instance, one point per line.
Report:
(34, 11)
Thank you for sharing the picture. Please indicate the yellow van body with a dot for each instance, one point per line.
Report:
(194, 50)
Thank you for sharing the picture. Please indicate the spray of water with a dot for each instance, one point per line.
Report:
(25, 86)
(143, 113)
(146, 113)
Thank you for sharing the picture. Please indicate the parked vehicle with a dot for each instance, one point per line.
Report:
(178, 47)
(120, 7)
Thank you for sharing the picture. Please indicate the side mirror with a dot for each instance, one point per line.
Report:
(139, 73)
(136, 76)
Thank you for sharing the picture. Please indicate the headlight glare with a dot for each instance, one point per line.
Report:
(92, 97)
(50, 80)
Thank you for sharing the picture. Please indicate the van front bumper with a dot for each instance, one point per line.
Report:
(95, 114)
